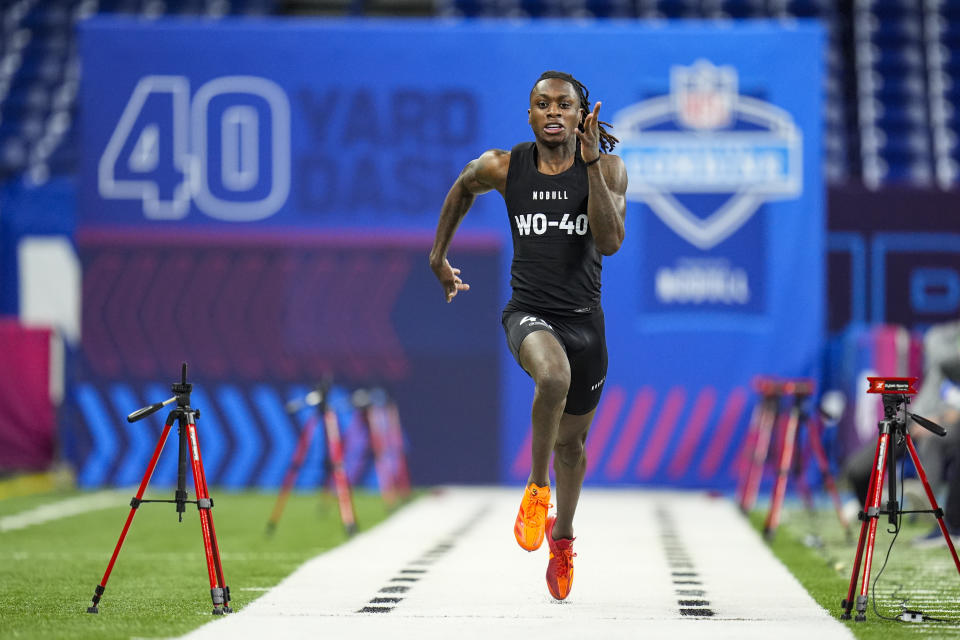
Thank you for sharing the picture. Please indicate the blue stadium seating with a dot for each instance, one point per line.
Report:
(743, 8)
(880, 54)
(810, 8)
(678, 8)
(39, 95)
(611, 8)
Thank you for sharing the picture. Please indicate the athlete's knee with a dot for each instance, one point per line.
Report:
(569, 452)
(553, 383)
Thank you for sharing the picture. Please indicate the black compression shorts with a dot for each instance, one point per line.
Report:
(582, 338)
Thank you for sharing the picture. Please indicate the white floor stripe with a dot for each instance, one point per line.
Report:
(484, 586)
(62, 509)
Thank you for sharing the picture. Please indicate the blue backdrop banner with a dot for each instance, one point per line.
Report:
(304, 128)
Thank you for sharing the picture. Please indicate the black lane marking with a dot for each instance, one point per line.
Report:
(381, 604)
(682, 569)
(394, 589)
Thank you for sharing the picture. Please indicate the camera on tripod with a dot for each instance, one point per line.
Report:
(890, 386)
(895, 392)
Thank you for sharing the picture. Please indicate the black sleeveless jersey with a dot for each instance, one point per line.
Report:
(556, 265)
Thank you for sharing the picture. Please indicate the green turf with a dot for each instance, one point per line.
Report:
(159, 586)
(813, 546)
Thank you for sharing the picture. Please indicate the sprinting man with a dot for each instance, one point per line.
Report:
(565, 203)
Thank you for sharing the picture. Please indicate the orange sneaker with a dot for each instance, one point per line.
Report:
(560, 566)
(528, 528)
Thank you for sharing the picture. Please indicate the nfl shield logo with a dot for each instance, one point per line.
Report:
(704, 94)
(705, 139)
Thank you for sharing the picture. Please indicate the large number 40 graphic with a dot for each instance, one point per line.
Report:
(227, 151)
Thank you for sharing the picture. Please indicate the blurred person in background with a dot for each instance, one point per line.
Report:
(565, 202)
(939, 400)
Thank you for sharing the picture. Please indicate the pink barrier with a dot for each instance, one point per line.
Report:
(27, 414)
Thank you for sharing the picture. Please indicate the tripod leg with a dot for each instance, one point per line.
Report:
(218, 591)
(816, 446)
(218, 566)
(873, 516)
(749, 444)
(799, 469)
(760, 451)
(303, 446)
(134, 504)
(933, 501)
(341, 482)
(380, 462)
(402, 477)
(783, 470)
(876, 479)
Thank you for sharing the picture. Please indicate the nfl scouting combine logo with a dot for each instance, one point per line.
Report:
(705, 138)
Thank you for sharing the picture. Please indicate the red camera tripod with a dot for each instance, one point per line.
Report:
(333, 462)
(757, 444)
(767, 416)
(892, 430)
(379, 415)
(186, 417)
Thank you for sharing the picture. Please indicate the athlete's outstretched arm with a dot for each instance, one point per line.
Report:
(607, 178)
(483, 174)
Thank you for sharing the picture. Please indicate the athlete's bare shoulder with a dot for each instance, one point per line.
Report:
(487, 172)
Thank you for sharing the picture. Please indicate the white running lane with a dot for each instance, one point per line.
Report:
(62, 509)
(650, 564)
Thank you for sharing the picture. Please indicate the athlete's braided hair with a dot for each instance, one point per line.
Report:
(607, 140)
